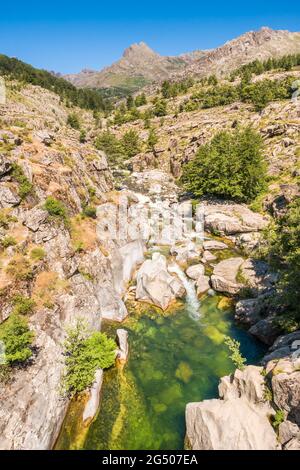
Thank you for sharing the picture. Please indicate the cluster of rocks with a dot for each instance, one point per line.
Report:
(259, 407)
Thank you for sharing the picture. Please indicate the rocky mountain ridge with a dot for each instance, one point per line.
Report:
(140, 65)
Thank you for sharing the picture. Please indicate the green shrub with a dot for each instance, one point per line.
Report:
(73, 121)
(85, 352)
(131, 143)
(5, 219)
(152, 139)
(278, 418)
(5, 373)
(160, 108)
(37, 253)
(110, 144)
(140, 100)
(230, 166)
(55, 208)
(23, 305)
(17, 339)
(90, 211)
(82, 136)
(25, 187)
(8, 241)
(20, 269)
(236, 357)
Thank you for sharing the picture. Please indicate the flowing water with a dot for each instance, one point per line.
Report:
(175, 358)
(192, 302)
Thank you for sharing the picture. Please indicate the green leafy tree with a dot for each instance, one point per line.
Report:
(23, 305)
(85, 352)
(55, 207)
(73, 121)
(284, 254)
(160, 108)
(25, 187)
(212, 80)
(152, 139)
(111, 145)
(82, 136)
(129, 102)
(17, 339)
(131, 143)
(25, 73)
(230, 166)
(236, 357)
(140, 100)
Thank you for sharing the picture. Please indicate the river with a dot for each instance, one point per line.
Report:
(175, 358)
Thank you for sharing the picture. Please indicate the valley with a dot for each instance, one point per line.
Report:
(166, 219)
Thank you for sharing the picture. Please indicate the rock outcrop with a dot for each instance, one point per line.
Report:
(238, 421)
(92, 406)
(195, 271)
(231, 219)
(122, 339)
(156, 285)
(224, 278)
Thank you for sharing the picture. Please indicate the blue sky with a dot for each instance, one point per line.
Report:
(67, 36)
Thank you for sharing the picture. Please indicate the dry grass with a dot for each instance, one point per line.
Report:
(47, 285)
(83, 233)
(19, 268)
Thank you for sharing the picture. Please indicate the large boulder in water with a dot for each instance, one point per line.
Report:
(156, 285)
(122, 339)
(224, 278)
(195, 271)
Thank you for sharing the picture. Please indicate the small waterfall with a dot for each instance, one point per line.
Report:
(193, 304)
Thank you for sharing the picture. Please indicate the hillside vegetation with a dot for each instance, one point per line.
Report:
(84, 98)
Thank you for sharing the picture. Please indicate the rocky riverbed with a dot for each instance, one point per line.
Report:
(211, 268)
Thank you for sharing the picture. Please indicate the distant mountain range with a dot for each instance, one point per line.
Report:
(140, 65)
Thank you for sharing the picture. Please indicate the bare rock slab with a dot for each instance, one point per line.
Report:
(122, 339)
(92, 405)
(233, 424)
(156, 285)
(224, 278)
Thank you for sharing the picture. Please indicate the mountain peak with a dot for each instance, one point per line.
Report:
(138, 49)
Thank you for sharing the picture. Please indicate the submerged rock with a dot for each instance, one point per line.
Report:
(214, 245)
(202, 284)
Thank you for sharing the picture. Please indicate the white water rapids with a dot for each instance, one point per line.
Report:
(193, 304)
